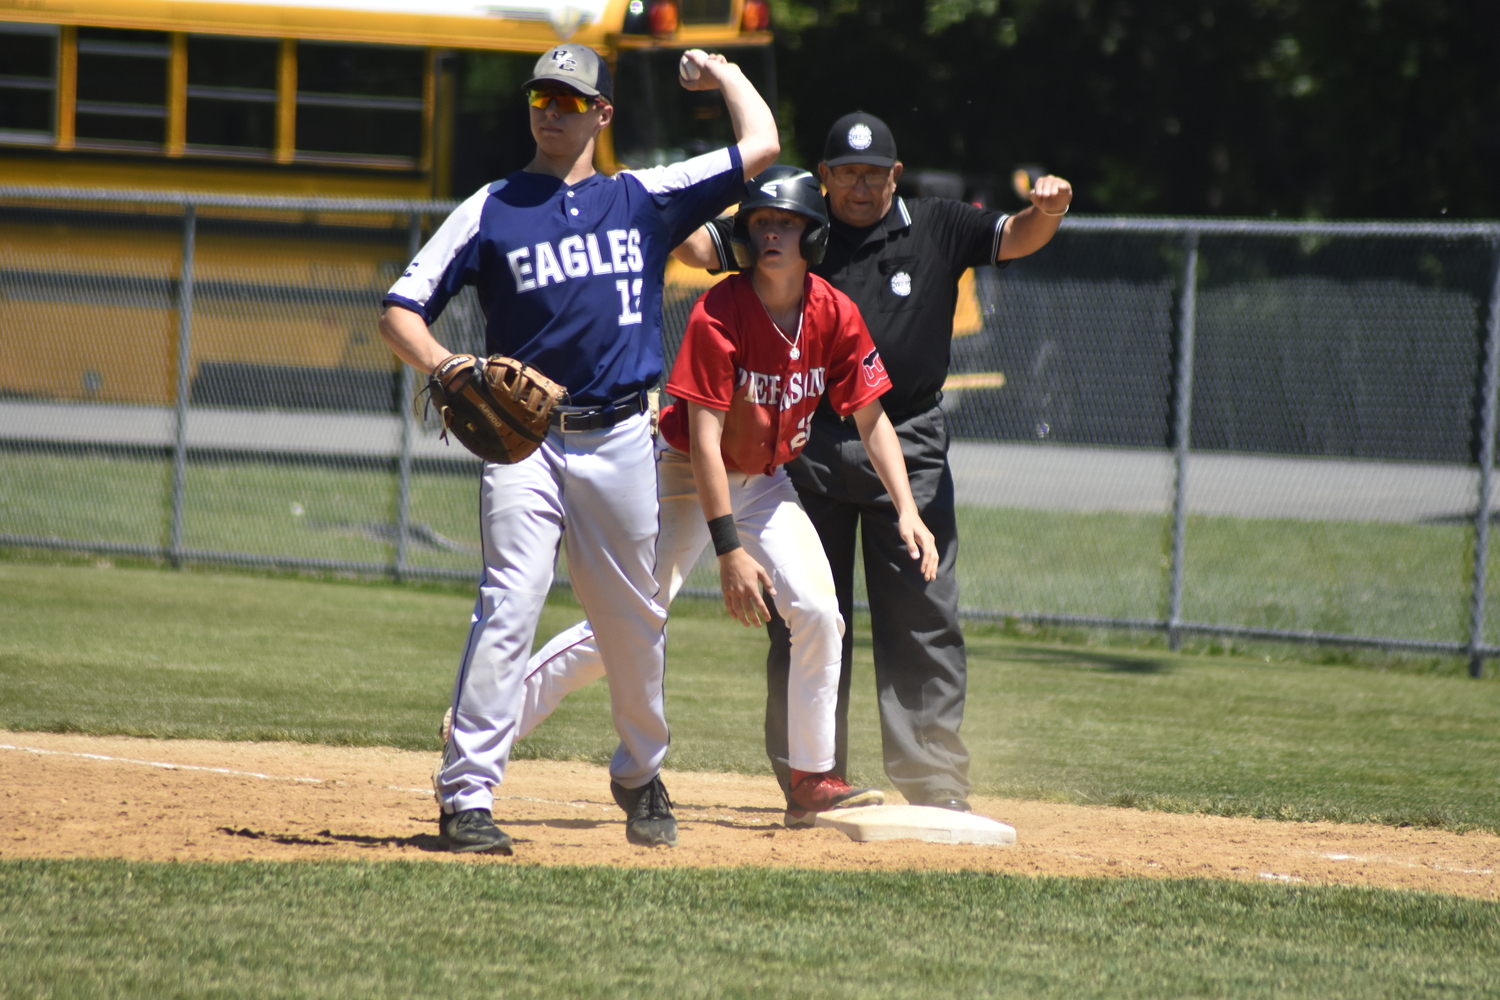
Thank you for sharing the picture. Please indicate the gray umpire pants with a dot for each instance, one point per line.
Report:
(921, 671)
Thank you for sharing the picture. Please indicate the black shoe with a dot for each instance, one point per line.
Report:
(648, 813)
(952, 802)
(472, 831)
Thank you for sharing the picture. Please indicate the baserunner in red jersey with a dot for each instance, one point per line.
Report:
(761, 350)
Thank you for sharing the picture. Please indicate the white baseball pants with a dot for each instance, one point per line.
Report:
(597, 490)
(777, 533)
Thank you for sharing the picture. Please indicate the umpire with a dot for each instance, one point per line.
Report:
(900, 261)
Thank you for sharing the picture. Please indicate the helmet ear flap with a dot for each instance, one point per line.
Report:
(814, 242)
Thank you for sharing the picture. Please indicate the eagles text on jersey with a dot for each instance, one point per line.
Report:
(570, 278)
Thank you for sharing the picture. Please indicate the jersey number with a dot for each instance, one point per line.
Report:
(630, 291)
(800, 438)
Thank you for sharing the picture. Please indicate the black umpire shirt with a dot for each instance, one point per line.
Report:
(903, 275)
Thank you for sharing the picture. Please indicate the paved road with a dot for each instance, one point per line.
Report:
(1041, 477)
(339, 434)
(1061, 477)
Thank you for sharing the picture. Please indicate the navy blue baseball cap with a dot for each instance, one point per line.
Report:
(575, 66)
(859, 138)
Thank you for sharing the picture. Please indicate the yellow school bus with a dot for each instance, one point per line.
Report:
(353, 98)
(371, 99)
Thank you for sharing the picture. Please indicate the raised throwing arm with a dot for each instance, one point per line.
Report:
(754, 124)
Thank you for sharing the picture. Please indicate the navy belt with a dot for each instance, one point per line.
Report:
(570, 419)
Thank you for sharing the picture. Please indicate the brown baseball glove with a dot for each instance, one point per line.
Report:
(497, 407)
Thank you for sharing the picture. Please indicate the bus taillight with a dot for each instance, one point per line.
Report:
(662, 15)
(756, 16)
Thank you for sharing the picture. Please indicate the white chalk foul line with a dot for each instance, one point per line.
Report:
(1407, 864)
(161, 764)
(166, 766)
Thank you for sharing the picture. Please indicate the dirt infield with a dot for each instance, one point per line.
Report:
(77, 796)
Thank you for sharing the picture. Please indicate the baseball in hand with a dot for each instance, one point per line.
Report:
(687, 68)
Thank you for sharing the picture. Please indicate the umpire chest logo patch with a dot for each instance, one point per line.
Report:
(860, 136)
(901, 283)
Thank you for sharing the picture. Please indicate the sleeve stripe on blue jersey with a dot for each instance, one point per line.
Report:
(392, 299)
(415, 288)
(677, 176)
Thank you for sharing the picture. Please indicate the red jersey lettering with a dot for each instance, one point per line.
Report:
(734, 360)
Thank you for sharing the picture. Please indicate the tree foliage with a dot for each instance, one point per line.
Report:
(1322, 108)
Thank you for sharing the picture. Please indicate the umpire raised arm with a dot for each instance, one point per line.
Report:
(900, 261)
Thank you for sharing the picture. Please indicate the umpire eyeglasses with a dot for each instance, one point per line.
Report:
(568, 102)
(873, 177)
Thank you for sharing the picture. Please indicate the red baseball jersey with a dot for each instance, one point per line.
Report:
(734, 360)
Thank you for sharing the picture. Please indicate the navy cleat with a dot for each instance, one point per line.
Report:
(648, 813)
(472, 831)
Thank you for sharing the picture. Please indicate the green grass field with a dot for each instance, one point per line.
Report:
(1407, 581)
(87, 929)
(85, 646)
(256, 508)
(236, 656)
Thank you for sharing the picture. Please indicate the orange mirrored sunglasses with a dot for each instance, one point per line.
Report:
(567, 101)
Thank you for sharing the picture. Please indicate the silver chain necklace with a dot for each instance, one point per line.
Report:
(791, 342)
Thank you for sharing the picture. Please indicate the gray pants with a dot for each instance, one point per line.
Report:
(597, 490)
(921, 671)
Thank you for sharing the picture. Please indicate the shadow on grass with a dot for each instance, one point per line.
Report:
(1113, 662)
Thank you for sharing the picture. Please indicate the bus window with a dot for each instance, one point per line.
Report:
(491, 126)
(28, 82)
(358, 102)
(657, 121)
(122, 87)
(231, 94)
(704, 11)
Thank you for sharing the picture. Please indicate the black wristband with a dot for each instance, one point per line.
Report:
(726, 537)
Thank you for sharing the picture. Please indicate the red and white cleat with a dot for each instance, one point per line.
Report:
(815, 793)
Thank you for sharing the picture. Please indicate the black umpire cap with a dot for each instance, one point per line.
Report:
(575, 66)
(859, 138)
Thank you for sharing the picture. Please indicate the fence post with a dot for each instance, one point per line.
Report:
(404, 390)
(184, 381)
(1182, 428)
(1486, 471)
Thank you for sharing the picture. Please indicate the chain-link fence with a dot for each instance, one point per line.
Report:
(1251, 429)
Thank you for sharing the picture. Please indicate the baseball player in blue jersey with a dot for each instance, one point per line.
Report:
(568, 266)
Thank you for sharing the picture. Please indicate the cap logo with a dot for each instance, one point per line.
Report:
(564, 60)
(769, 190)
(901, 283)
(860, 136)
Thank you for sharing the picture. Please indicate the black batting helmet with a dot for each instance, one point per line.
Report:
(792, 189)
